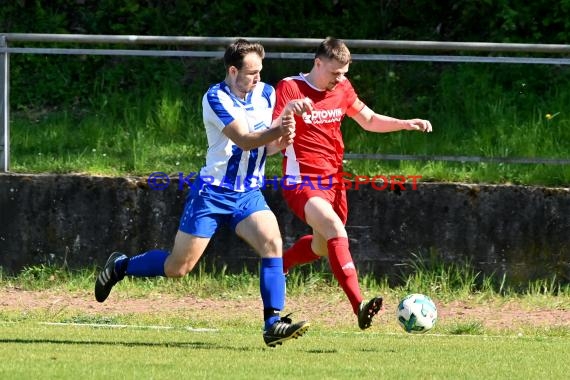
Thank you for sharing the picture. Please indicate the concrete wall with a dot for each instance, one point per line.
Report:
(523, 232)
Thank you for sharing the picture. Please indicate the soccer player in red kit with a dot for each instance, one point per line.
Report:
(312, 165)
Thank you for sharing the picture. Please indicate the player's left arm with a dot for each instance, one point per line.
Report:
(374, 122)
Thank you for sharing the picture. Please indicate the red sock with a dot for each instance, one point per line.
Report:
(344, 270)
(299, 253)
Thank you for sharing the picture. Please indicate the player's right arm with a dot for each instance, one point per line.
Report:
(219, 113)
(283, 141)
(238, 132)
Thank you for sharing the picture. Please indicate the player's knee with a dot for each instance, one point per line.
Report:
(273, 247)
(176, 270)
(332, 227)
(320, 250)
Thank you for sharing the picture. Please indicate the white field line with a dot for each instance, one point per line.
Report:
(119, 326)
(439, 335)
(192, 329)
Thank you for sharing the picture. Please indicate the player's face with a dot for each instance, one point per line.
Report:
(332, 72)
(245, 79)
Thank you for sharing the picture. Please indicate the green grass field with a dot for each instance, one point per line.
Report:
(208, 326)
(31, 350)
(476, 110)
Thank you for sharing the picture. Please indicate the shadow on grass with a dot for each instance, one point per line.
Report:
(195, 345)
(192, 345)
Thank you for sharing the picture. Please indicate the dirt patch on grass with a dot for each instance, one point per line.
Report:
(320, 310)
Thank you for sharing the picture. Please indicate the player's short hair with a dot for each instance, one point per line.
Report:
(241, 47)
(333, 48)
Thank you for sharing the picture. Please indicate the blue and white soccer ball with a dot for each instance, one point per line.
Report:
(417, 313)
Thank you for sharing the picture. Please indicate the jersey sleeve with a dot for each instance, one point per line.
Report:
(217, 108)
(350, 94)
(285, 91)
(269, 94)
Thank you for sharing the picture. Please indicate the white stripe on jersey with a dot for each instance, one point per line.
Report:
(292, 169)
(226, 164)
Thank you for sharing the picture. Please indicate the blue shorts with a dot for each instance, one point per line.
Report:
(207, 207)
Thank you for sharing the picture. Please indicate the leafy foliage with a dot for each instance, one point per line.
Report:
(467, 20)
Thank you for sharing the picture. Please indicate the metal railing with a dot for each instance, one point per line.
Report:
(216, 45)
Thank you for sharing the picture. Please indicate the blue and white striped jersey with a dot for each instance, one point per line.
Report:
(227, 165)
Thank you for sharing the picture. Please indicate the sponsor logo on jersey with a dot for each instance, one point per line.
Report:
(317, 117)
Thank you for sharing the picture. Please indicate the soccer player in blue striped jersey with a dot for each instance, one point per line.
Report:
(237, 115)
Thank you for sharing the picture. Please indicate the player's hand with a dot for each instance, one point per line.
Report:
(289, 133)
(287, 126)
(419, 125)
(283, 142)
(298, 106)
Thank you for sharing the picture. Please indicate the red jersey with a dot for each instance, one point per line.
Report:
(317, 150)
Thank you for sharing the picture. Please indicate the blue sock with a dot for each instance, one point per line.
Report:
(272, 287)
(148, 264)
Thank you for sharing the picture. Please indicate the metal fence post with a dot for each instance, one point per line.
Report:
(4, 106)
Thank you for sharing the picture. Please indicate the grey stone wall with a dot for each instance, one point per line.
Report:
(521, 232)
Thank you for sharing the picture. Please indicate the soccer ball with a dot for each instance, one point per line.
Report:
(417, 313)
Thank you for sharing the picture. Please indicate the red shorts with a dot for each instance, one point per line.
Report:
(297, 198)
